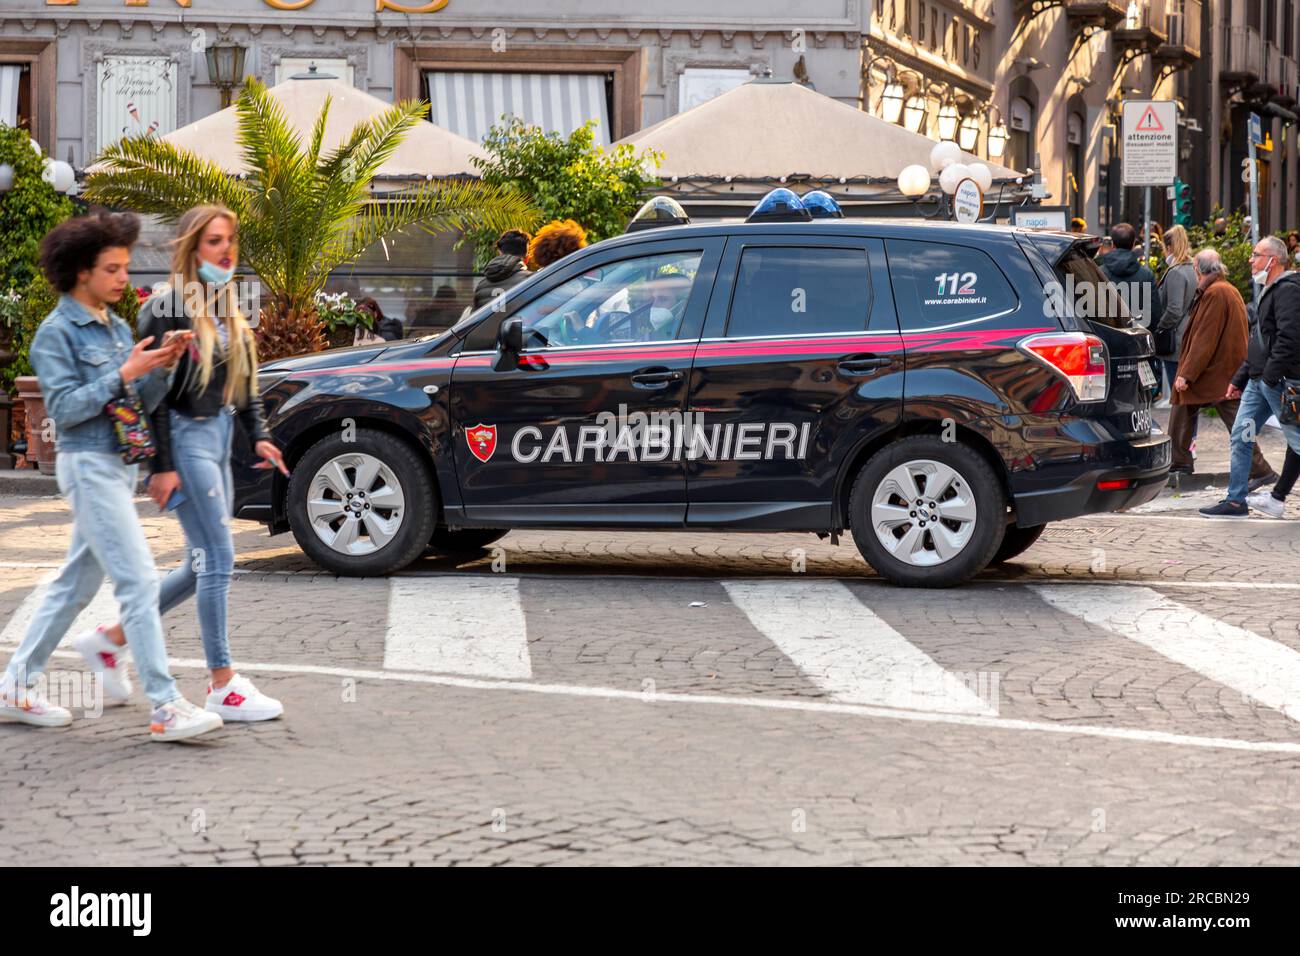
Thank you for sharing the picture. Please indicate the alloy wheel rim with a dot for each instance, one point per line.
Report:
(355, 504)
(923, 513)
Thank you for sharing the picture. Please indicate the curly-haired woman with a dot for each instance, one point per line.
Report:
(554, 241)
(85, 359)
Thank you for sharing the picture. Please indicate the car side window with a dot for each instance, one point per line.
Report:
(937, 284)
(789, 290)
(632, 300)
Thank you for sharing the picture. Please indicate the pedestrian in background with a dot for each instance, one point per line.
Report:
(506, 270)
(554, 241)
(1273, 355)
(1134, 281)
(1214, 346)
(1177, 289)
(88, 367)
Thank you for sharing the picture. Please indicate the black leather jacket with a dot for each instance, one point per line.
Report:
(165, 312)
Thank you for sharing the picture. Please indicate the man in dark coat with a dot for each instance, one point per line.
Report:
(1273, 356)
(1132, 278)
(506, 270)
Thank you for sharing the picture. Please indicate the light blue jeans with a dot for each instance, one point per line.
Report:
(106, 539)
(201, 452)
(1258, 402)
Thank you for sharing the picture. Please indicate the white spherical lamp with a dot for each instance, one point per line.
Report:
(59, 175)
(914, 181)
(944, 154)
(952, 175)
(982, 175)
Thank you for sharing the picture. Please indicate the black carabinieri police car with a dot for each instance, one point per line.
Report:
(941, 391)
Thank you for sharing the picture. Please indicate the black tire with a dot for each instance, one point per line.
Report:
(983, 539)
(465, 540)
(418, 513)
(1017, 541)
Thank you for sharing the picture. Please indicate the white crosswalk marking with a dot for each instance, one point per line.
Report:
(103, 609)
(848, 650)
(465, 625)
(1257, 667)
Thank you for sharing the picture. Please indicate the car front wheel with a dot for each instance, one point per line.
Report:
(927, 513)
(364, 507)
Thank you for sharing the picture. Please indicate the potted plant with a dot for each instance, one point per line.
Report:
(341, 318)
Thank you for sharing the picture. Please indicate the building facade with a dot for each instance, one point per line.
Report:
(1035, 84)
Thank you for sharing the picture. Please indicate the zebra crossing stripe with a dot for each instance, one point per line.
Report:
(848, 650)
(467, 625)
(103, 609)
(1259, 668)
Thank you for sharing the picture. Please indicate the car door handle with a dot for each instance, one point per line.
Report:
(656, 377)
(863, 364)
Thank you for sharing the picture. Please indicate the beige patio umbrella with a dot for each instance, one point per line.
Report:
(766, 129)
(427, 150)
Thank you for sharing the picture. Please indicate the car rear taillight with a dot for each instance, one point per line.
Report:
(1077, 357)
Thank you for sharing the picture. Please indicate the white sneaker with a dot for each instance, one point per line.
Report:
(1265, 504)
(240, 700)
(179, 720)
(108, 661)
(26, 705)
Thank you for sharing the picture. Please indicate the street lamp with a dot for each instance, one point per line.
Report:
(948, 119)
(891, 102)
(914, 181)
(914, 112)
(225, 68)
(997, 135)
(968, 136)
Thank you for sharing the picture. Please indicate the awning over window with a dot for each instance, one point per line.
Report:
(9, 77)
(469, 103)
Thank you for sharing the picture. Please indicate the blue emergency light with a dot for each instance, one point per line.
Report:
(821, 205)
(780, 205)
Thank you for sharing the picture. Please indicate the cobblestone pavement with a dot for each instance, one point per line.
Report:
(1126, 692)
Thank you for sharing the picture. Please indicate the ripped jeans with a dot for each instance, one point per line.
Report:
(201, 452)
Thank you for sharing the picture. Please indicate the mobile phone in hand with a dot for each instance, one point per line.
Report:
(175, 499)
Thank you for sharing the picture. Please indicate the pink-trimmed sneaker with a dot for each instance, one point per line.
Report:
(108, 661)
(26, 705)
(240, 700)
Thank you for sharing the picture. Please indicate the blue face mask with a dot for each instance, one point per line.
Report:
(214, 273)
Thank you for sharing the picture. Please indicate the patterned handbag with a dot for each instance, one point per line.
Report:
(1290, 413)
(131, 425)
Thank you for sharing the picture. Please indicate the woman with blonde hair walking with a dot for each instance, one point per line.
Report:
(1177, 289)
(214, 381)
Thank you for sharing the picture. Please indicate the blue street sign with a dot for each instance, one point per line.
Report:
(1256, 130)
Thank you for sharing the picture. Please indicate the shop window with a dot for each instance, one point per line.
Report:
(699, 85)
(337, 67)
(1074, 162)
(1021, 137)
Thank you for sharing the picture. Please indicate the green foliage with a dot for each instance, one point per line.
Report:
(34, 301)
(337, 310)
(27, 211)
(567, 177)
(302, 213)
(1234, 247)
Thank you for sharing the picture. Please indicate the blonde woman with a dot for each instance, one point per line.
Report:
(215, 379)
(1177, 289)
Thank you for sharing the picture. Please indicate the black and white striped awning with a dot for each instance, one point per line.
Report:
(469, 103)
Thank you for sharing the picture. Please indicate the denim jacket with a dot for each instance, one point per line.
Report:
(76, 358)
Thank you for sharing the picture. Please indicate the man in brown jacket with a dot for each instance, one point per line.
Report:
(1213, 348)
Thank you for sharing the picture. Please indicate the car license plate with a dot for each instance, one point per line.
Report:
(1145, 375)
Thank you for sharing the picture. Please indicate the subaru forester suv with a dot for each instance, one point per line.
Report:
(940, 391)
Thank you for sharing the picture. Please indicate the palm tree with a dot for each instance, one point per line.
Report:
(301, 214)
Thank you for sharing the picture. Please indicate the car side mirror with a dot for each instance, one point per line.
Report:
(511, 336)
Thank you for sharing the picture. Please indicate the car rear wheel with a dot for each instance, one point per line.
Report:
(927, 513)
(364, 507)
(465, 540)
(1017, 541)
